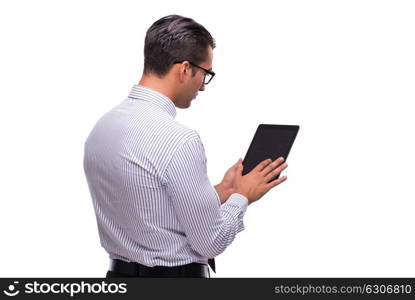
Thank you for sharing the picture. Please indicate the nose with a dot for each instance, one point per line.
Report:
(202, 88)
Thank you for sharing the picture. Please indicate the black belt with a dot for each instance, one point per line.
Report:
(133, 269)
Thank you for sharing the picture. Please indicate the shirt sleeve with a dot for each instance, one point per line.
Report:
(209, 226)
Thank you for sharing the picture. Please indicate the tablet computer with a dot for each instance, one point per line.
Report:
(270, 141)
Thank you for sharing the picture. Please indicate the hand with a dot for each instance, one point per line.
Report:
(226, 187)
(255, 184)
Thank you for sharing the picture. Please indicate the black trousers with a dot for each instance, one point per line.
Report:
(121, 269)
(111, 274)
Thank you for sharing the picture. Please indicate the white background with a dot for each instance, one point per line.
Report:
(342, 70)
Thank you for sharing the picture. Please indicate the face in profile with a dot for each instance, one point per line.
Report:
(195, 82)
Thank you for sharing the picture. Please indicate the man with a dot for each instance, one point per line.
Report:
(157, 213)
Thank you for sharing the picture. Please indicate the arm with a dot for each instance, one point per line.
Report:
(209, 226)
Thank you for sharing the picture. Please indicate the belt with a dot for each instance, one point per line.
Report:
(133, 269)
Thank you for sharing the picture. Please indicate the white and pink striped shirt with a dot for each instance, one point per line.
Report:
(153, 201)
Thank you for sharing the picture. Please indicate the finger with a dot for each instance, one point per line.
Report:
(235, 166)
(239, 169)
(275, 172)
(272, 166)
(238, 162)
(276, 182)
(262, 165)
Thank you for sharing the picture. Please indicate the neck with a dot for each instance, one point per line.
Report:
(161, 85)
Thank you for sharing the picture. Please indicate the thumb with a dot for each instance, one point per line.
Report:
(239, 167)
(235, 166)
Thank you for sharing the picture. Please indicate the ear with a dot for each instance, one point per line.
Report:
(184, 70)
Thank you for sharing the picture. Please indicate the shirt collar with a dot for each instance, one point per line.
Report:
(147, 94)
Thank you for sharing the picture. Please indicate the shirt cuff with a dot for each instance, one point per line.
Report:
(238, 200)
(236, 205)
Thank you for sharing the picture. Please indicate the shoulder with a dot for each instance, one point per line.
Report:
(183, 133)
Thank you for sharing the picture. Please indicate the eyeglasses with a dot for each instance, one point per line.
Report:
(208, 73)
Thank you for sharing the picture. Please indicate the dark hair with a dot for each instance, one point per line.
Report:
(175, 38)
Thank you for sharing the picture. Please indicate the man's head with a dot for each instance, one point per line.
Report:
(176, 52)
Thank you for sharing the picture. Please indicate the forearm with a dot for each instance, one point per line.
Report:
(208, 226)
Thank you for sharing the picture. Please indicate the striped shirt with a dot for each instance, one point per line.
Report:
(148, 181)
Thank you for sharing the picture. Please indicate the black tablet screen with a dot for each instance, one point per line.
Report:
(270, 141)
